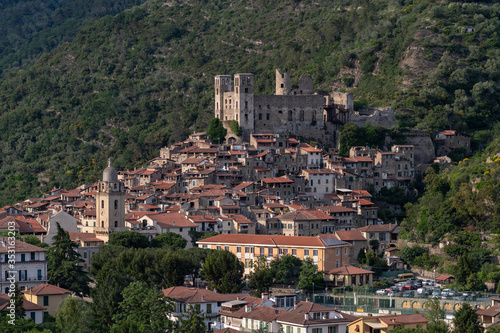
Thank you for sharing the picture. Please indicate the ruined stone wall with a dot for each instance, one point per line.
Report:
(424, 147)
(300, 115)
(383, 116)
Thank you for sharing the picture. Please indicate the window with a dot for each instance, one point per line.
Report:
(39, 274)
(269, 251)
(102, 203)
(262, 251)
(116, 224)
(337, 252)
(32, 256)
(226, 247)
(267, 116)
(316, 315)
(315, 253)
(209, 308)
(23, 257)
(85, 255)
(317, 330)
(246, 262)
(337, 264)
(33, 316)
(294, 252)
(285, 252)
(332, 329)
(306, 252)
(116, 204)
(345, 250)
(289, 226)
(290, 115)
(238, 249)
(260, 116)
(247, 249)
(301, 115)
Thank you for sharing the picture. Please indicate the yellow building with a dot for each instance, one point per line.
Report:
(47, 295)
(326, 253)
(386, 323)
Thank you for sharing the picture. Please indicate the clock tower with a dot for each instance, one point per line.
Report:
(110, 204)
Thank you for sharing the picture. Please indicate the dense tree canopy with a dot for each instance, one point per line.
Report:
(128, 239)
(224, 272)
(64, 267)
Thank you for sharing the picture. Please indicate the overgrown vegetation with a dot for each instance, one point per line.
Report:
(130, 84)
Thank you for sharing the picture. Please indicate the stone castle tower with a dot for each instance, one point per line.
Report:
(110, 204)
(299, 111)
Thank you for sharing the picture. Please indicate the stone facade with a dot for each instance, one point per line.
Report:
(298, 111)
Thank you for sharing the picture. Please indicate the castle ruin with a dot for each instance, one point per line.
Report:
(299, 111)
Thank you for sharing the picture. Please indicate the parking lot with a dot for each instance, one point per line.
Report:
(416, 288)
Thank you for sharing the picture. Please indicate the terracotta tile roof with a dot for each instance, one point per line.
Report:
(46, 289)
(84, 236)
(240, 219)
(349, 270)
(444, 277)
(19, 246)
(305, 215)
(403, 319)
(277, 180)
(378, 228)
(309, 148)
(350, 235)
(171, 220)
(28, 306)
(242, 186)
(257, 312)
(194, 160)
(261, 169)
(196, 295)
(318, 171)
(296, 315)
(492, 311)
(269, 240)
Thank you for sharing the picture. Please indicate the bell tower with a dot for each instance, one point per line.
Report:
(110, 204)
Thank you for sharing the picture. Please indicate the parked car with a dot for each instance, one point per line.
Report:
(381, 292)
(408, 294)
(445, 292)
(436, 293)
(466, 293)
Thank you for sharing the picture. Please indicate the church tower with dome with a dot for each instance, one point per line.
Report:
(110, 204)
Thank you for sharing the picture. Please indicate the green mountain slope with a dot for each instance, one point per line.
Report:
(464, 196)
(33, 27)
(129, 84)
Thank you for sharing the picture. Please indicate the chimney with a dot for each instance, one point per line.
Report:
(295, 304)
(306, 316)
(308, 299)
(264, 296)
(203, 298)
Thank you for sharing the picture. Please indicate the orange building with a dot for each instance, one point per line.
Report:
(326, 253)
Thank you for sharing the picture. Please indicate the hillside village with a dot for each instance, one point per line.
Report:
(267, 197)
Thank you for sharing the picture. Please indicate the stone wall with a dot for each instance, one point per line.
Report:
(383, 116)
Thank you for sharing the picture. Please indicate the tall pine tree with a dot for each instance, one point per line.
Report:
(64, 267)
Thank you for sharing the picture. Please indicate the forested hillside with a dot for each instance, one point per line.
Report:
(129, 84)
(465, 196)
(33, 27)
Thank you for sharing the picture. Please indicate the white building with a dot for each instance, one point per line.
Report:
(30, 266)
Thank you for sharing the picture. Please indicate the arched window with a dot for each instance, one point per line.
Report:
(116, 204)
(290, 115)
(301, 115)
(102, 203)
(102, 224)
